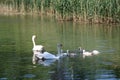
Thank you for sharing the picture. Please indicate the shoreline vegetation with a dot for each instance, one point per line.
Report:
(91, 11)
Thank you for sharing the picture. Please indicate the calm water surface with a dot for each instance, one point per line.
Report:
(16, 49)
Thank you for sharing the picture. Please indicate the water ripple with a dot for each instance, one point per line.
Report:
(3, 78)
(29, 76)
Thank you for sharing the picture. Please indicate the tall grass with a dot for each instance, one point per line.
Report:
(77, 10)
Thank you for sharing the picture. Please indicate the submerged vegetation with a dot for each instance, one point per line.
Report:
(97, 11)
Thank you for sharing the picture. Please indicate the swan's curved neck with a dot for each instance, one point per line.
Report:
(59, 49)
(33, 40)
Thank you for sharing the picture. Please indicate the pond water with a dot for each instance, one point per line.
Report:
(16, 49)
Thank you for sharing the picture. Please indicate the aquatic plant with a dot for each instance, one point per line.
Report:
(77, 10)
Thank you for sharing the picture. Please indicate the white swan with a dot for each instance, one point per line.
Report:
(46, 56)
(37, 48)
(94, 52)
(43, 56)
(86, 54)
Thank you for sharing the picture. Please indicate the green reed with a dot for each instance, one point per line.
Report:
(77, 10)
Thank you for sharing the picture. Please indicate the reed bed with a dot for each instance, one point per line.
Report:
(97, 11)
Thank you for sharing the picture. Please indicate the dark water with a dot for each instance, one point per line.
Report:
(16, 49)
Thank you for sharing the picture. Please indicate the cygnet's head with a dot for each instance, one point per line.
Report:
(59, 45)
(80, 50)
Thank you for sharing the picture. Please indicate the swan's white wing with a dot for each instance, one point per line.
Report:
(48, 55)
